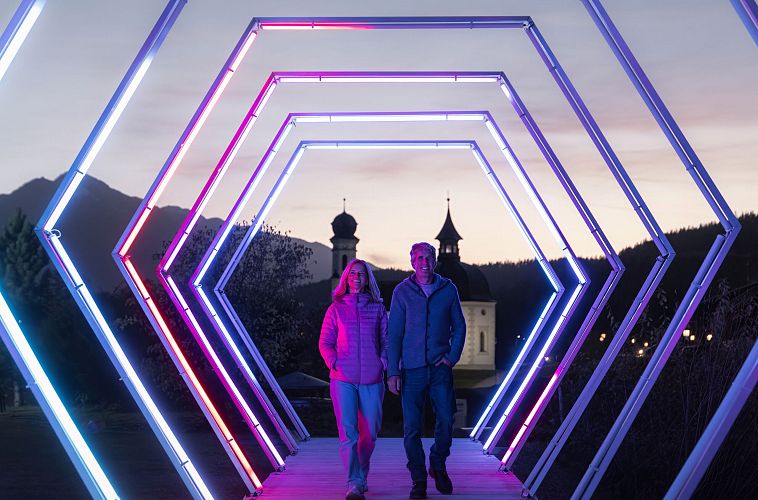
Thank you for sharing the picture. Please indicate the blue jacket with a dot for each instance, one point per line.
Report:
(424, 330)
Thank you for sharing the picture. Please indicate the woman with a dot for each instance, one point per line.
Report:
(353, 344)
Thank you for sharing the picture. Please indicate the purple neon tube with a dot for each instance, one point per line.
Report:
(51, 239)
(265, 94)
(189, 318)
(651, 283)
(406, 23)
(748, 12)
(268, 89)
(77, 449)
(703, 277)
(223, 232)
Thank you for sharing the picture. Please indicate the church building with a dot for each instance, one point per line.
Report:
(476, 300)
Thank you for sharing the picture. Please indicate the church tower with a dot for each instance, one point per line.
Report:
(344, 243)
(449, 258)
(449, 238)
(478, 357)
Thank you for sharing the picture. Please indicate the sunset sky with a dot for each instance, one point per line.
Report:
(697, 53)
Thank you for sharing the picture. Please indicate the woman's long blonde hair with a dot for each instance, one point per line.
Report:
(342, 288)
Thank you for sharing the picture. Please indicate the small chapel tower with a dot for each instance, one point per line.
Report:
(344, 243)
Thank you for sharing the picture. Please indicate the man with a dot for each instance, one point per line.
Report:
(427, 331)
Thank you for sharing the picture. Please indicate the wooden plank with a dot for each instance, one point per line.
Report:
(316, 473)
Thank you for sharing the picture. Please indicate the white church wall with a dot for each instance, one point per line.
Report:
(479, 349)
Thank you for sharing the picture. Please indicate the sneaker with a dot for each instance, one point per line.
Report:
(418, 490)
(354, 493)
(442, 481)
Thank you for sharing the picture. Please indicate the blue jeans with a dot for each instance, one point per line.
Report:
(437, 382)
(358, 410)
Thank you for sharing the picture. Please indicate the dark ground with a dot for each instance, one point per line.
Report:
(132, 457)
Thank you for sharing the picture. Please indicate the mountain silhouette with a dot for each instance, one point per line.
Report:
(95, 219)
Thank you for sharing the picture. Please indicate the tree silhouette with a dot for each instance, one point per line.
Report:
(262, 291)
(23, 266)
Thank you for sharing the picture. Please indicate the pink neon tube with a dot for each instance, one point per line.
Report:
(123, 261)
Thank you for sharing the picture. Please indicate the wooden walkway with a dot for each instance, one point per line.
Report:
(316, 473)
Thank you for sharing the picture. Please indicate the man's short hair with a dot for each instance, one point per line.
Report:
(423, 246)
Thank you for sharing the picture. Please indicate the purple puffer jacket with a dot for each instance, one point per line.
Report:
(353, 339)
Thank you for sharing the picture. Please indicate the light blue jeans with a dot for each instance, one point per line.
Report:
(358, 410)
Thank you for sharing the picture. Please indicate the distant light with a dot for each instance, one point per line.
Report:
(692, 338)
(686, 332)
(518, 336)
(709, 337)
(547, 358)
(602, 338)
(641, 352)
(645, 344)
(633, 341)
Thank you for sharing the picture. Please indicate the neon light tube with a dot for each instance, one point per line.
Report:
(705, 273)
(146, 302)
(172, 346)
(175, 248)
(373, 23)
(388, 117)
(529, 418)
(268, 157)
(292, 163)
(87, 466)
(247, 413)
(570, 306)
(748, 12)
(17, 30)
(497, 431)
(496, 135)
(660, 266)
(188, 137)
(80, 454)
(50, 239)
(72, 185)
(387, 145)
(308, 145)
(528, 425)
(700, 458)
(408, 22)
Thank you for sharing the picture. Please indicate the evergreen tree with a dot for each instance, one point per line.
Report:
(23, 264)
(23, 267)
(51, 321)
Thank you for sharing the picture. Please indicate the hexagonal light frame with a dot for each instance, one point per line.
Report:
(559, 75)
(50, 238)
(80, 454)
(603, 295)
(179, 240)
(149, 307)
(744, 382)
(266, 92)
(705, 273)
(355, 117)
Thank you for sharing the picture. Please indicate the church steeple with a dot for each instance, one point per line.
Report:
(448, 238)
(344, 242)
